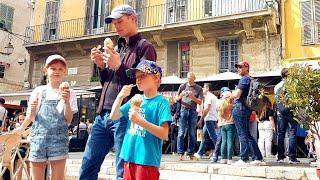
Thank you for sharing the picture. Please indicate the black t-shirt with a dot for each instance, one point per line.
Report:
(269, 113)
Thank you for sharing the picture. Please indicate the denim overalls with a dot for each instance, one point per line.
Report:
(49, 133)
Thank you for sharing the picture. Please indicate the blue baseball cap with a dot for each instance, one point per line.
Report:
(224, 89)
(146, 66)
(119, 11)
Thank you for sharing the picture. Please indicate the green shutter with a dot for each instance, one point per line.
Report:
(6, 16)
(306, 20)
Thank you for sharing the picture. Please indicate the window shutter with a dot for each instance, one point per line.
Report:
(306, 20)
(317, 20)
(9, 20)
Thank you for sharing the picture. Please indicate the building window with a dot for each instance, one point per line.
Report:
(207, 8)
(2, 68)
(185, 59)
(95, 73)
(97, 10)
(140, 8)
(228, 55)
(310, 19)
(6, 16)
(176, 10)
(51, 20)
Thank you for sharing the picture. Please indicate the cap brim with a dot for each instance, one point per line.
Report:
(109, 19)
(236, 65)
(131, 73)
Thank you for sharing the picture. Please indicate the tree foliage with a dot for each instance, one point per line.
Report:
(302, 95)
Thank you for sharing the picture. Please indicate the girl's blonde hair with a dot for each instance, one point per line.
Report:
(225, 108)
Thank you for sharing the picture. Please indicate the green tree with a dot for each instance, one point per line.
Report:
(302, 95)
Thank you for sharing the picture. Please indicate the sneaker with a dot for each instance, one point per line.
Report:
(191, 157)
(257, 163)
(223, 161)
(280, 160)
(198, 156)
(214, 159)
(240, 163)
(229, 162)
(294, 161)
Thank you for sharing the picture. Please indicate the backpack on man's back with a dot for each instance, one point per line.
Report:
(254, 98)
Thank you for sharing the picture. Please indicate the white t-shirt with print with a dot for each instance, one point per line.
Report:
(211, 99)
(51, 94)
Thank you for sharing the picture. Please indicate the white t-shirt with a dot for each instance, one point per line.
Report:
(3, 113)
(211, 99)
(51, 94)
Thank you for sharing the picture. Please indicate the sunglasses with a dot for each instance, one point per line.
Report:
(141, 76)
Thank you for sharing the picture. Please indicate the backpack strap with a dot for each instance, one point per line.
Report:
(139, 49)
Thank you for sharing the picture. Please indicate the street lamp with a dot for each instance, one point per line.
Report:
(9, 47)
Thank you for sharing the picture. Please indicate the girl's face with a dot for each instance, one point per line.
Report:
(56, 71)
(145, 81)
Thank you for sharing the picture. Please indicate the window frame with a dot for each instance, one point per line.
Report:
(313, 22)
(7, 20)
(2, 71)
(230, 68)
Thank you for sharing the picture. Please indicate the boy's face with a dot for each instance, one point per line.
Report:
(146, 81)
(56, 71)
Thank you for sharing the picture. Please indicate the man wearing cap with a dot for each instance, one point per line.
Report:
(112, 71)
(241, 114)
(285, 121)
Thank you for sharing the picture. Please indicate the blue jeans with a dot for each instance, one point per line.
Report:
(209, 131)
(241, 115)
(188, 119)
(104, 135)
(285, 121)
(227, 134)
(217, 147)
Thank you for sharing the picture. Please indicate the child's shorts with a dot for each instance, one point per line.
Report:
(141, 172)
(48, 147)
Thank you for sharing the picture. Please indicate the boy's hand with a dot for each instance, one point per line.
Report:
(135, 116)
(125, 91)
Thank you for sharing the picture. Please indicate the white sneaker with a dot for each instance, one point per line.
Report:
(257, 163)
(223, 161)
(197, 156)
(229, 162)
(240, 163)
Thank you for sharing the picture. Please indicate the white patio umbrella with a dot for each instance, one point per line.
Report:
(172, 80)
(220, 77)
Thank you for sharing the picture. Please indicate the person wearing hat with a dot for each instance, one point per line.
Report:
(241, 115)
(285, 122)
(112, 72)
(148, 122)
(49, 140)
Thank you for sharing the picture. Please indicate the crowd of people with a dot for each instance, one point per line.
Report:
(134, 118)
(228, 123)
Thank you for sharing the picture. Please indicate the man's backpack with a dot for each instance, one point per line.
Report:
(254, 99)
(280, 106)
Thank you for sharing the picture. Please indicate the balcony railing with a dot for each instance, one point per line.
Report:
(151, 16)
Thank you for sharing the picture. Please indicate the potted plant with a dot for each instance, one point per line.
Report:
(302, 95)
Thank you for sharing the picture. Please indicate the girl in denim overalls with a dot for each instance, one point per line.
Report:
(52, 110)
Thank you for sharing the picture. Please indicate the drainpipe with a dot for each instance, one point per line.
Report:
(267, 46)
(28, 66)
(283, 32)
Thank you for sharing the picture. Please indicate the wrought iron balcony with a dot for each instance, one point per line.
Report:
(175, 11)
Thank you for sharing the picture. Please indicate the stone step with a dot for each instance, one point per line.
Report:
(207, 171)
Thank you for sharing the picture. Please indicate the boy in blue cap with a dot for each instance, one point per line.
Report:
(149, 116)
